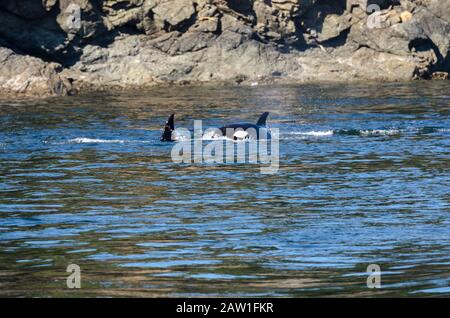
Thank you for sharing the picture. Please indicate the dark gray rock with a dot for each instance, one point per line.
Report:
(173, 14)
(33, 37)
(30, 76)
(80, 18)
(27, 9)
(129, 43)
(178, 43)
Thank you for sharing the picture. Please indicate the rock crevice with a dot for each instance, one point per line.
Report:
(53, 47)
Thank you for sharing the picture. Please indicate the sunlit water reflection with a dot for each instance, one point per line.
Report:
(363, 179)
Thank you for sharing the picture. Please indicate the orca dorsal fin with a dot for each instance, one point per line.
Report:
(262, 119)
(168, 128)
(171, 122)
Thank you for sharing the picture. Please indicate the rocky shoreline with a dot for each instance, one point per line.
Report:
(59, 47)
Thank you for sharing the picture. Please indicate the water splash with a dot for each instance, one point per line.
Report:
(82, 140)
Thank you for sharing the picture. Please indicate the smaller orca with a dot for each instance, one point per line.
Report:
(240, 131)
(168, 129)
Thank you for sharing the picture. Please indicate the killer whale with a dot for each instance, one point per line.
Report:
(238, 131)
(168, 129)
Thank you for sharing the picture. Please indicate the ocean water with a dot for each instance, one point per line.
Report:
(363, 178)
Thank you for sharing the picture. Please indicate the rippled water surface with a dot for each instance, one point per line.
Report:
(363, 179)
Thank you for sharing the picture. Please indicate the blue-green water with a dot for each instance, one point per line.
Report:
(364, 179)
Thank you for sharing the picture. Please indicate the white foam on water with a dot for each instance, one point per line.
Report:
(319, 133)
(83, 140)
(212, 137)
(380, 132)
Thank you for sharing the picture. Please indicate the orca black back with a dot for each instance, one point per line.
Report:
(253, 133)
(262, 120)
(253, 130)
